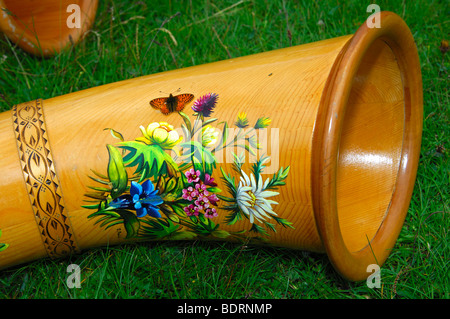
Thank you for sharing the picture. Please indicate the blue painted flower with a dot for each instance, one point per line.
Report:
(143, 198)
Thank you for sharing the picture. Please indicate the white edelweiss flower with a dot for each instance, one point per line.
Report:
(252, 198)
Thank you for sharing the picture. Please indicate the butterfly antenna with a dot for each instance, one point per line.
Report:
(179, 89)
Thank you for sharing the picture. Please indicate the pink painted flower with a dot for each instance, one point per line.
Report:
(202, 203)
(193, 176)
(209, 180)
(213, 199)
(201, 190)
(211, 212)
(189, 193)
(191, 210)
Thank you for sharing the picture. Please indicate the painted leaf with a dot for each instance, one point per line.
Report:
(207, 122)
(178, 209)
(214, 189)
(220, 233)
(149, 160)
(115, 134)
(183, 235)
(171, 183)
(131, 222)
(116, 172)
(159, 228)
(3, 246)
(187, 121)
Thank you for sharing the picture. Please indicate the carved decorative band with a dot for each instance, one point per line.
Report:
(42, 183)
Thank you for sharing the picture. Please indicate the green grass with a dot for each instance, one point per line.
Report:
(125, 43)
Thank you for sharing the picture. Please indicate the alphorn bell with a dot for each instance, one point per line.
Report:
(44, 28)
(312, 147)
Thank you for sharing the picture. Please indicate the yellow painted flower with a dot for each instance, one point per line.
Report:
(262, 122)
(160, 133)
(209, 136)
(242, 120)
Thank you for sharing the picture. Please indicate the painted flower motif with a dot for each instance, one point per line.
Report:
(211, 212)
(205, 104)
(209, 136)
(189, 193)
(192, 176)
(142, 198)
(242, 121)
(202, 202)
(201, 190)
(200, 198)
(145, 199)
(252, 198)
(213, 199)
(209, 180)
(160, 133)
(191, 210)
(262, 122)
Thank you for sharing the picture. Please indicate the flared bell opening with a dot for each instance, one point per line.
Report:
(370, 146)
(366, 146)
(46, 27)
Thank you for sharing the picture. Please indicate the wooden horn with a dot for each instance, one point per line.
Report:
(44, 28)
(313, 147)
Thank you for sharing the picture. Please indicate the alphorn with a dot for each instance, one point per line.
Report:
(44, 28)
(312, 147)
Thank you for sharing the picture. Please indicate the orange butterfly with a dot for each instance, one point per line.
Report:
(171, 103)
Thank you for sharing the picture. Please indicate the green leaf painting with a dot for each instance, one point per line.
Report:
(2, 246)
(163, 185)
(116, 172)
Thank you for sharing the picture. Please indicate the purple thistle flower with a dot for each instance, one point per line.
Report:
(211, 212)
(205, 104)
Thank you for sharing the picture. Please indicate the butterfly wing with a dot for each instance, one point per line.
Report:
(172, 103)
(160, 104)
(182, 100)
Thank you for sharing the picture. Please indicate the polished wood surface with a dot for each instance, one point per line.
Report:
(347, 112)
(40, 27)
(360, 214)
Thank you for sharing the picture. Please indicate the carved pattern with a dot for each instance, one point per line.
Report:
(42, 183)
